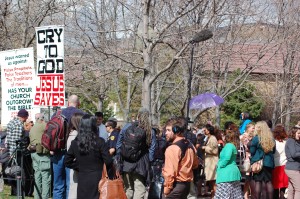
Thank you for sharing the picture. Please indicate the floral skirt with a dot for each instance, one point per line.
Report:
(229, 190)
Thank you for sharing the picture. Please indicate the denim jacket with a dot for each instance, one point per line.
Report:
(151, 148)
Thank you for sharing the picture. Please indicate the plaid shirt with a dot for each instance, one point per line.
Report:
(15, 130)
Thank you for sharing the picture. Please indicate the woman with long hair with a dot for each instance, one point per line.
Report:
(292, 167)
(71, 174)
(87, 154)
(279, 178)
(262, 147)
(228, 173)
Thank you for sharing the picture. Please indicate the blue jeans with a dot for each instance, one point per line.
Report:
(60, 180)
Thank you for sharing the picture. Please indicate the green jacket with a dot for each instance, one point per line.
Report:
(35, 136)
(257, 153)
(227, 170)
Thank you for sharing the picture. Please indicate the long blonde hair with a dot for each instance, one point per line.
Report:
(265, 136)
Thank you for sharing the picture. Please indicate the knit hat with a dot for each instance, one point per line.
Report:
(23, 113)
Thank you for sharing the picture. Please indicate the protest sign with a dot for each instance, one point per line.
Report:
(17, 80)
(50, 85)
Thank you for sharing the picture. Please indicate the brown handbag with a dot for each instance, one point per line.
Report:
(257, 166)
(111, 189)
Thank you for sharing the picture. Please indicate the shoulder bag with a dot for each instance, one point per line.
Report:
(14, 169)
(244, 166)
(257, 166)
(111, 189)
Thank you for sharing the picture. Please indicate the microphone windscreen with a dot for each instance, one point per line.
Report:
(202, 36)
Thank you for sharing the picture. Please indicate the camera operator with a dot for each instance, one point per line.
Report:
(15, 131)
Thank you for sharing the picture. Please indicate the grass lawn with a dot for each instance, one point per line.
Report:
(6, 194)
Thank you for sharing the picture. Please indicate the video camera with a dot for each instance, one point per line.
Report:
(22, 145)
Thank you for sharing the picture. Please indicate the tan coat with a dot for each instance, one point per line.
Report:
(211, 158)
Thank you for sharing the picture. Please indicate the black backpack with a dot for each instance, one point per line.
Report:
(134, 143)
(183, 144)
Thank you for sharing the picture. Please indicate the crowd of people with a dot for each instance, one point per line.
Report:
(187, 161)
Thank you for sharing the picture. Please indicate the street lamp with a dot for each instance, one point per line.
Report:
(199, 37)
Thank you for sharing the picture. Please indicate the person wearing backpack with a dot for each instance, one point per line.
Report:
(60, 172)
(136, 146)
(180, 160)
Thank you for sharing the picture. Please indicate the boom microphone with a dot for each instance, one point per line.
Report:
(202, 36)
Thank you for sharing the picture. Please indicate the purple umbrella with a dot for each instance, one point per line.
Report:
(205, 100)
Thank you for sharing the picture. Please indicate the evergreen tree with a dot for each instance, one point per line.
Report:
(243, 100)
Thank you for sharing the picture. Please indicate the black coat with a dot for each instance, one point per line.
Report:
(89, 167)
(140, 167)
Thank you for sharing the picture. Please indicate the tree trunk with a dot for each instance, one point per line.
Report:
(155, 100)
(147, 55)
(218, 116)
(128, 97)
(126, 115)
(146, 91)
(100, 103)
(288, 101)
(24, 38)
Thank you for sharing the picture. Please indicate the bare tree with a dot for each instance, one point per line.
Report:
(288, 80)
(237, 46)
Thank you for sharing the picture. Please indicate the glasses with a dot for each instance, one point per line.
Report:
(107, 126)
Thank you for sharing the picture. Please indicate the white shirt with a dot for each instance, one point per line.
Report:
(279, 156)
(102, 132)
(71, 137)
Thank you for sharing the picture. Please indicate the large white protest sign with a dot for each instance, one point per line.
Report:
(50, 86)
(17, 79)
